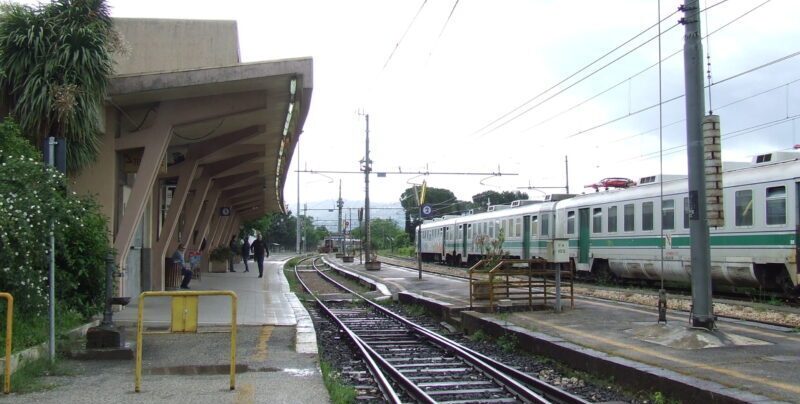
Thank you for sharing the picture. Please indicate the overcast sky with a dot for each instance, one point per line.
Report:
(431, 87)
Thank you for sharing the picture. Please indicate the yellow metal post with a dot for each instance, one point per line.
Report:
(184, 320)
(9, 336)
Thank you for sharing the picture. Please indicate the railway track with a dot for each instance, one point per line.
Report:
(408, 362)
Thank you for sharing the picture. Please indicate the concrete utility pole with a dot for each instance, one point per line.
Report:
(702, 308)
(297, 224)
(367, 168)
(340, 204)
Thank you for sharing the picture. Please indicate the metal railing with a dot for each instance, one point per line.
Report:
(9, 336)
(184, 321)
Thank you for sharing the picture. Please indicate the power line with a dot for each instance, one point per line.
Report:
(490, 124)
(627, 79)
(404, 34)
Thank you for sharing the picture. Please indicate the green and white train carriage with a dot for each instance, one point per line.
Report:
(621, 230)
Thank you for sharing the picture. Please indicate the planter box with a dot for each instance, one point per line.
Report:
(347, 258)
(480, 291)
(339, 255)
(373, 265)
(218, 266)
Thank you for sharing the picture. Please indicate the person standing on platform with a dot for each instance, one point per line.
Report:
(245, 253)
(234, 246)
(260, 250)
(177, 258)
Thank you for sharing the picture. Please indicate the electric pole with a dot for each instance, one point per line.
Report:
(702, 308)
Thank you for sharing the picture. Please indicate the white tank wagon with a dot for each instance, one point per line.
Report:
(620, 231)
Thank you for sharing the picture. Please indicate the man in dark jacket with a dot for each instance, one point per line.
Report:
(245, 253)
(234, 246)
(260, 250)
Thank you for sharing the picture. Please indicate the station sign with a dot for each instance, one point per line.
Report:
(426, 210)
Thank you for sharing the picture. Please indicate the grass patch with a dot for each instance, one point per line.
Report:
(339, 392)
(30, 376)
(29, 331)
(507, 342)
(479, 336)
(416, 310)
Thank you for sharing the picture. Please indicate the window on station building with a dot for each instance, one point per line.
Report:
(647, 216)
(571, 222)
(612, 219)
(776, 205)
(628, 218)
(597, 220)
(743, 201)
(668, 214)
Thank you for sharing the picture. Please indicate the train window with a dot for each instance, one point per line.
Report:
(518, 227)
(546, 225)
(685, 213)
(628, 218)
(597, 220)
(571, 222)
(469, 231)
(647, 215)
(534, 225)
(491, 229)
(776, 205)
(744, 207)
(612, 219)
(668, 214)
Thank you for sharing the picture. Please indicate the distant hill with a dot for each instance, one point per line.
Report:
(326, 214)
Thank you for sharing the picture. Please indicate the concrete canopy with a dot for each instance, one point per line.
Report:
(258, 96)
(206, 131)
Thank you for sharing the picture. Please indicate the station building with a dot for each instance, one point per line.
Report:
(195, 142)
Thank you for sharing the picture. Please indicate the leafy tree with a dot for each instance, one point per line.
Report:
(56, 59)
(257, 225)
(31, 197)
(282, 230)
(444, 202)
(386, 234)
(483, 199)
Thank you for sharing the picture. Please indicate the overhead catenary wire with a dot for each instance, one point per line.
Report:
(590, 64)
(397, 45)
(627, 79)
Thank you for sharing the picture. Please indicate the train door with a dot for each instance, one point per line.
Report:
(526, 237)
(797, 227)
(464, 242)
(444, 243)
(583, 235)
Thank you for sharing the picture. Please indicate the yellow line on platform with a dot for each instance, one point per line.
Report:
(262, 349)
(684, 362)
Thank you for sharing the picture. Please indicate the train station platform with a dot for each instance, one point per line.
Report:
(276, 352)
(741, 362)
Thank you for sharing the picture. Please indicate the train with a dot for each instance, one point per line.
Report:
(334, 243)
(619, 231)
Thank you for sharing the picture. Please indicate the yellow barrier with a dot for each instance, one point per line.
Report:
(184, 321)
(9, 324)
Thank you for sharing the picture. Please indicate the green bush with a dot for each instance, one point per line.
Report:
(221, 254)
(32, 196)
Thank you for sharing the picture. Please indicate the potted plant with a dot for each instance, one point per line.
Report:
(219, 258)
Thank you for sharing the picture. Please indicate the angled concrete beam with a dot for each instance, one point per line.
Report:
(195, 110)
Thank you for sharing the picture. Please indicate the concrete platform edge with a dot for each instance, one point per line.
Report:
(632, 375)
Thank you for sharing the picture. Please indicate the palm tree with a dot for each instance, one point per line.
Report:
(55, 62)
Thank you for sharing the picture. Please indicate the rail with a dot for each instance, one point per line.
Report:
(514, 381)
